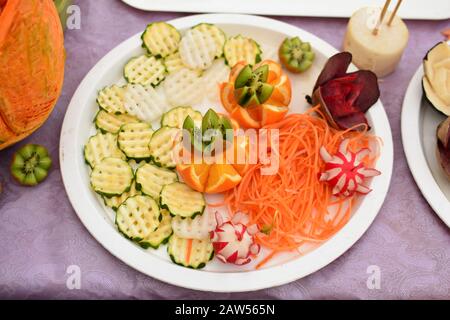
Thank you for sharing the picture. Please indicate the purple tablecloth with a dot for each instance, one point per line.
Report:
(41, 236)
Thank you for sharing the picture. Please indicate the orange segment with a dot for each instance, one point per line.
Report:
(242, 116)
(227, 96)
(241, 152)
(194, 175)
(282, 92)
(272, 114)
(222, 177)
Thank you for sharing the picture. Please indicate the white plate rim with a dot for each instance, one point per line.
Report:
(415, 155)
(322, 8)
(120, 247)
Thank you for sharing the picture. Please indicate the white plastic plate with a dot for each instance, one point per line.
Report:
(419, 123)
(411, 9)
(216, 276)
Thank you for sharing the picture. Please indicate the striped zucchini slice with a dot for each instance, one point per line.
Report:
(111, 177)
(162, 146)
(190, 253)
(116, 201)
(176, 116)
(110, 122)
(100, 146)
(216, 33)
(173, 62)
(133, 139)
(181, 200)
(145, 70)
(161, 39)
(137, 217)
(161, 235)
(111, 100)
(240, 48)
(150, 179)
(197, 49)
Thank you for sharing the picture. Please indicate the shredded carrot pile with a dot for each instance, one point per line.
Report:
(293, 207)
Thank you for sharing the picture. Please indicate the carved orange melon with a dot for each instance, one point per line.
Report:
(31, 66)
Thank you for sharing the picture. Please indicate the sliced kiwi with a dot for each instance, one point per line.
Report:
(30, 164)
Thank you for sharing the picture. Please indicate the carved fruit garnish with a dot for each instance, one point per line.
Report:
(234, 241)
(345, 97)
(345, 171)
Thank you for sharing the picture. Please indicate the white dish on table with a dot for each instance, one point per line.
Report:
(215, 276)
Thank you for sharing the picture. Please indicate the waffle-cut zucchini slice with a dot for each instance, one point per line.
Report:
(161, 235)
(100, 146)
(190, 253)
(181, 200)
(197, 49)
(184, 88)
(116, 201)
(110, 122)
(161, 39)
(145, 70)
(216, 33)
(240, 48)
(214, 76)
(162, 146)
(111, 177)
(176, 116)
(150, 179)
(144, 102)
(137, 217)
(133, 139)
(111, 100)
(173, 62)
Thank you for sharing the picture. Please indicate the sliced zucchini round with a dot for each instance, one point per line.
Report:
(175, 117)
(181, 200)
(145, 70)
(162, 145)
(111, 100)
(190, 253)
(150, 179)
(173, 62)
(111, 177)
(240, 48)
(100, 146)
(116, 201)
(161, 235)
(133, 139)
(216, 33)
(137, 217)
(161, 39)
(110, 122)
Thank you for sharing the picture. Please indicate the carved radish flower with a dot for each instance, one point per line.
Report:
(345, 172)
(233, 241)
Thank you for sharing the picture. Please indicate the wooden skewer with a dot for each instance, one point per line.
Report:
(381, 18)
(395, 12)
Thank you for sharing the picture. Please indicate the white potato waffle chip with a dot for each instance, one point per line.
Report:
(144, 102)
(216, 74)
(216, 33)
(184, 88)
(197, 49)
